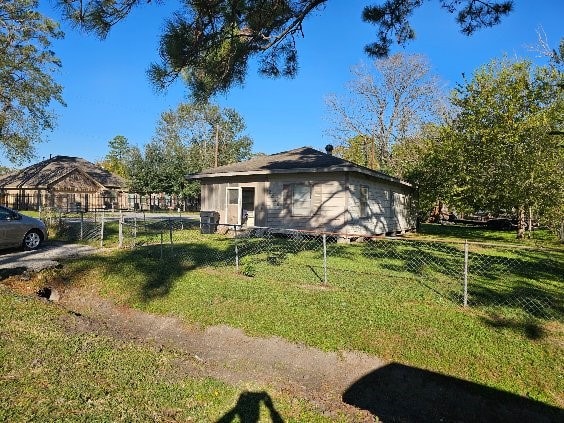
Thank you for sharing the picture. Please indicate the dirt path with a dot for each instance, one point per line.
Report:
(228, 354)
(13, 262)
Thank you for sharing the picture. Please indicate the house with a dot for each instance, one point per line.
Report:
(307, 189)
(63, 182)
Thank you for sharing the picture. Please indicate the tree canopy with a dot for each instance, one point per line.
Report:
(27, 87)
(502, 150)
(118, 155)
(386, 102)
(191, 138)
(210, 43)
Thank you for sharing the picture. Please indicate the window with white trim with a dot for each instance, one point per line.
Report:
(301, 200)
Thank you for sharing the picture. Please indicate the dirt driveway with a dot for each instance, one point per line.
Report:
(49, 255)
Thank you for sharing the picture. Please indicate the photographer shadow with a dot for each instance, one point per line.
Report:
(247, 408)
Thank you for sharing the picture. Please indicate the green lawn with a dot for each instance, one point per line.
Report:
(48, 373)
(390, 306)
(399, 300)
(539, 237)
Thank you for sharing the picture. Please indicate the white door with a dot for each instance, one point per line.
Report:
(233, 206)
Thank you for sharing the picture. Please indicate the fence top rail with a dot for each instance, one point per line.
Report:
(399, 238)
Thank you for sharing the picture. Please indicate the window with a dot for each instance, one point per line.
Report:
(233, 196)
(5, 214)
(364, 209)
(248, 199)
(301, 200)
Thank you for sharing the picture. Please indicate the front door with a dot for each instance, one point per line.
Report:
(248, 204)
(234, 206)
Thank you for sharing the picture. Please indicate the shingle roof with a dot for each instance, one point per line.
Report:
(47, 172)
(303, 159)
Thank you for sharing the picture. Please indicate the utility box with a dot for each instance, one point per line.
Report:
(208, 222)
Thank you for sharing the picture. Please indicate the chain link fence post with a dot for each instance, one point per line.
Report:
(161, 245)
(325, 259)
(135, 229)
(102, 231)
(236, 250)
(81, 225)
(120, 231)
(465, 297)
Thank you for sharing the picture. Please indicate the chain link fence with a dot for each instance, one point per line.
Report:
(498, 277)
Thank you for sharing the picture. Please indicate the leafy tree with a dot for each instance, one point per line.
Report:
(355, 149)
(407, 152)
(187, 140)
(385, 104)
(26, 85)
(4, 170)
(210, 43)
(138, 176)
(116, 160)
(501, 152)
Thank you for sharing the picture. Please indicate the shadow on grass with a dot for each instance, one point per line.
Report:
(247, 409)
(415, 256)
(397, 392)
(526, 327)
(534, 300)
(151, 271)
(531, 282)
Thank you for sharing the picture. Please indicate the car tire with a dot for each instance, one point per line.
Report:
(32, 240)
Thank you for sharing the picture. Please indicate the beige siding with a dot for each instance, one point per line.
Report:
(387, 208)
(335, 202)
(327, 202)
(214, 196)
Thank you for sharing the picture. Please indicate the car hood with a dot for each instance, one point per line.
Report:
(32, 222)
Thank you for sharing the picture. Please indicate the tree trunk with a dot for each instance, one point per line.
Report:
(530, 222)
(520, 222)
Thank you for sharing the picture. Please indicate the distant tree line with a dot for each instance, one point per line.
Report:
(187, 140)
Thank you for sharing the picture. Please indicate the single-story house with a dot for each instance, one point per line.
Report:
(63, 182)
(307, 189)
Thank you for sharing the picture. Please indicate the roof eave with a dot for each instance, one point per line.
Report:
(24, 187)
(329, 169)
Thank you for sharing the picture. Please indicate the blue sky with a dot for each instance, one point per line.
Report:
(108, 94)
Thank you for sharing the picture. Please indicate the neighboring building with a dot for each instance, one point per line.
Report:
(65, 183)
(308, 190)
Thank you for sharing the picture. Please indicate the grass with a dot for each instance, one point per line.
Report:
(390, 299)
(48, 373)
(392, 306)
(539, 237)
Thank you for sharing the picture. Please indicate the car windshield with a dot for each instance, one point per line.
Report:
(7, 214)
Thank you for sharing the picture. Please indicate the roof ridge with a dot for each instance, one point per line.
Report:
(52, 169)
(302, 159)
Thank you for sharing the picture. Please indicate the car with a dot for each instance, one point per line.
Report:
(18, 230)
